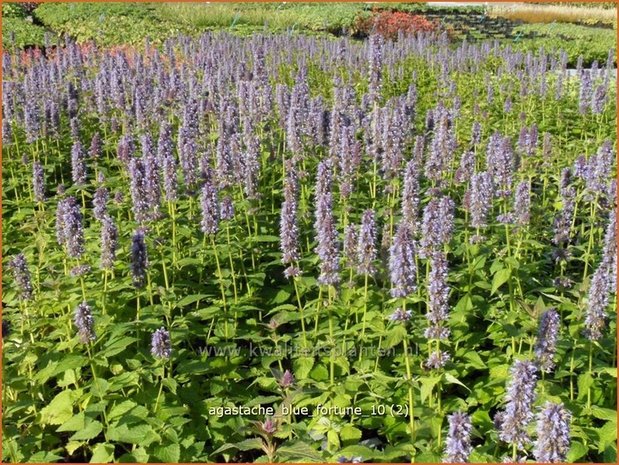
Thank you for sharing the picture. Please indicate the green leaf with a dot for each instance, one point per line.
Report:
(247, 444)
(190, 299)
(474, 360)
(99, 388)
(120, 409)
(577, 450)
(302, 367)
(585, 381)
(427, 384)
(60, 409)
(608, 435)
(350, 433)
(140, 434)
(102, 453)
(395, 335)
(117, 346)
(168, 454)
(298, 451)
(91, 431)
(453, 380)
(333, 439)
(500, 278)
(75, 423)
(265, 238)
(603, 413)
(44, 457)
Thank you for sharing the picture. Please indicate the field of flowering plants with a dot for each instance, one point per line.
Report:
(297, 249)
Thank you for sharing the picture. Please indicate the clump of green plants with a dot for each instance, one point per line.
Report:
(578, 41)
(18, 29)
(107, 23)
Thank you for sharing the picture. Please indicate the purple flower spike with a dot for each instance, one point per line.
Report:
(553, 434)
(518, 413)
(139, 259)
(84, 322)
(21, 275)
(366, 245)
(161, 346)
(458, 443)
(402, 266)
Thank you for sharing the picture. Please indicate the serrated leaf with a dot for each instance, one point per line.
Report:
(120, 409)
(585, 381)
(292, 452)
(75, 423)
(139, 434)
(500, 278)
(60, 409)
(603, 413)
(453, 380)
(427, 384)
(168, 454)
(577, 450)
(350, 433)
(91, 431)
(247, 444)
(190, 299)
(99, 387)
(395, 335)
(117, 346)
(102, 453)
(608, 435)
(302, 367)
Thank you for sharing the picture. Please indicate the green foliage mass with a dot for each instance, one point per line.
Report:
(17, 30)
(591, 42)
(108, 23)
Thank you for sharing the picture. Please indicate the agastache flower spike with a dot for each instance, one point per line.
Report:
(467, 167)
(437, 225)
(599, 289)
(500, 163)
(95, 146)
(109, 243)
(209, 204)
(522, 203)
(288, 228)
(84, 322)
(226, 209)
(553, 434)
(287, 379)
(21, 275)
(438, 297)
(99, 202)
(324, 226)
(410, 195)
(78, 164)
(520, 396)
(139, 259)
(73, 235)
(402, 266)
(161, 346)
(170, 181)
(350, 245)
(547, 336)
(480, 199)
(366, 244)
(139, 189)
(458, 443)
(38, 182)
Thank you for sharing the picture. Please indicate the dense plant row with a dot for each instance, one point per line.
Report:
(131, 23)
(410, 245)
